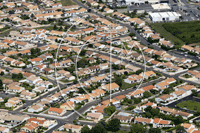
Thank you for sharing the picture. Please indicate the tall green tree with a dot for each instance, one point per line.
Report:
(137, 128)
(98, 129)
(154, 130)
(114, 125)
(180, 129)
(109, 110)
(85, 129)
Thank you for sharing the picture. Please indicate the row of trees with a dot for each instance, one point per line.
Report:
(114, 126)
(103, 127)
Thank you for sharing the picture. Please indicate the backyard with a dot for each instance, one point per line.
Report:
(191, 105)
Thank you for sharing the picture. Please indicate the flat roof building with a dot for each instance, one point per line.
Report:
(164, 16)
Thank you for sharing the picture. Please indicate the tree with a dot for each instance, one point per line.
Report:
(2, 73)
(1, 85)
(74, 121)
(154, 112)
(82, 53)
(55, 27)
(146, 94)
(180, 129)
(6, 99)
(82, 63)
(132, 34)
(75, 81)
(118, 81)
(114, 125)
(50, 86)
(98, 129)
(154, 130)
(60, 29)
(137, 100)
(139, 71)
(109, 110)
(11, 12)
(166, 91)
(148, 109)
(85, 129)
(178, 120)
(137, 128)
(125, 73)
(194, 93)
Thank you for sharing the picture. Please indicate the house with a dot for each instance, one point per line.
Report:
(25, 52)
(72, 128)
(94, 116)
(186, 47)
(28, 95)
(187, 89)
(91, 60)
(124, 119)
(185, 115)
(35, 61)
(133, 79)
(114, 102)
(148, 88)
(21, 45)
(108, 10)
(69, 105)
(158, 122)
(62, 73)
(88, 30)
(104, 66)
(33, 79)
(148, 74)
(164, 98)
(143, 121)
(42, 121)
(144, 106)
(4, 130)
(56, 111)
(41, 67)
(178, 94)
(15, 88)
(35, 108)
(165, 83)
(136, 94)
(9, 53)
(99, 109)
(13, 102)
(30, 127)
(110, 87)
(187, 126)
(167, 111)
(93, 69)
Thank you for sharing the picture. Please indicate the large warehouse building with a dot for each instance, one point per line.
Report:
(164, 16)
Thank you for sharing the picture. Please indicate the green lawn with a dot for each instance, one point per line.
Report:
(67, 2)
(189, 32)
(126, 85)
(158, 27)
(191, 105)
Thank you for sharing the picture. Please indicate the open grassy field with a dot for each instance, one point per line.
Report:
(182, 32)
(67, 2)
(158, 27)
(189, 32)
(191, 105)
